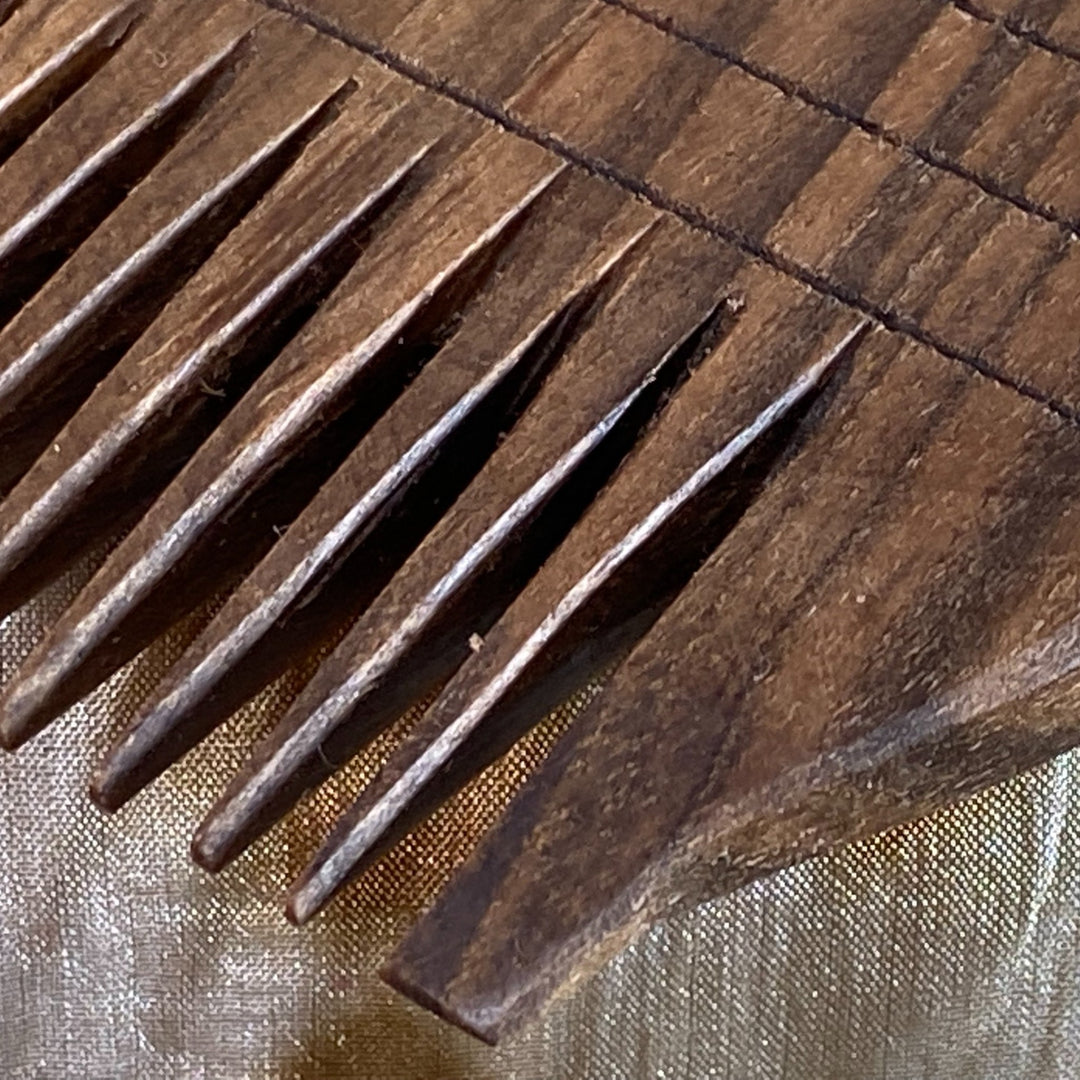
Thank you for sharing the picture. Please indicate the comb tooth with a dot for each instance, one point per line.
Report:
(665, 510)
(37, 75)
(825, 675)
(298, 421)
(372, 513)
(108, 136)
(7, 9)
(63, 342)
(483, 550)
(166, 394)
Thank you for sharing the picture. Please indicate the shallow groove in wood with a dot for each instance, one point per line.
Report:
(1016, 29)
(698, 219)
(795, 89)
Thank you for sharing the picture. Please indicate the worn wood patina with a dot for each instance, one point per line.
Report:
(726, 347)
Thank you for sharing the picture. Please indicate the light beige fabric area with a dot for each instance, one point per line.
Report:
(950, 949)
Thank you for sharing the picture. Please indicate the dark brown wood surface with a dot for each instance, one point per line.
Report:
(158, 398)
(253, 254)
(403, 475)
(458, 581)
(914, 637)
(882, 209)
(634, 548)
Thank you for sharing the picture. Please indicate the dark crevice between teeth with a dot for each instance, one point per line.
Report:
(30, 253)
(612, 617)
(136, 477)
(92, 347)
(236, 540)
(363, 566)
(72, 67)
(492, 574)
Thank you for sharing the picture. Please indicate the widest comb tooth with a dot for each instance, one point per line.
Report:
(298, 421)
(44, 62)
(637, 544)
(109, 135)
(489, 543)
(828, 673)
(68, 337)
(387, 495)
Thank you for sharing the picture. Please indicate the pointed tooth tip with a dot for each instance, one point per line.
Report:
(316, 887)
(8, 740)
(116, 781)
(308, 895)
(106, 802)
(14, 736)
(16, 721)
(28, 701)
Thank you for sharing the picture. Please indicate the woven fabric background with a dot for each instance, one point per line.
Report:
(947, 949)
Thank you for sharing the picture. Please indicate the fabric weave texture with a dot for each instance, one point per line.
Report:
(946, 949)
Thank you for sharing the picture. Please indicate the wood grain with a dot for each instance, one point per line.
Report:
(77, 334)
(667, 508)
(891, 626)
(352, 538)
(470, 566)
(877, 202)
(416, 324)
(284, 420)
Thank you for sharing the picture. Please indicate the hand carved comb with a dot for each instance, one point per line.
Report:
(728, 346)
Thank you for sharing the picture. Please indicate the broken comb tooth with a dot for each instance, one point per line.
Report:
(589, 412)
(664, 512)
(364, 522)
(295, 424)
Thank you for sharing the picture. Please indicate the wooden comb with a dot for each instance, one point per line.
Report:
(726, 347)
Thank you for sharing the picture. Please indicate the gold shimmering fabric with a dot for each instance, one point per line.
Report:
(947, 949)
